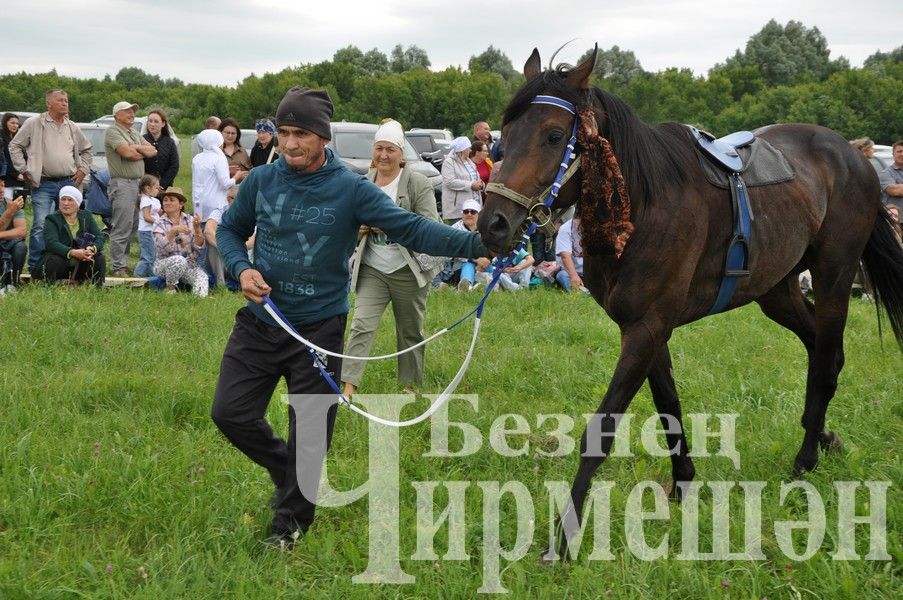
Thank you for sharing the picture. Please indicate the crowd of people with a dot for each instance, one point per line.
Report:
(286, 221)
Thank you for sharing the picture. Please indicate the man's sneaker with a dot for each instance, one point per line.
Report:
(120, 273)
(284, 542)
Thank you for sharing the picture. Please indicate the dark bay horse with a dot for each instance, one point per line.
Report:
(664, 268)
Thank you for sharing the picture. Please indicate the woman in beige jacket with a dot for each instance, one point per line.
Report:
(386, 272)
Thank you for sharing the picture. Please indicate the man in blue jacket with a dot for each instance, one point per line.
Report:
(307, 209)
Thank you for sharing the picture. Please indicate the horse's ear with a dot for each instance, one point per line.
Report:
(579, 76)
(533, 66)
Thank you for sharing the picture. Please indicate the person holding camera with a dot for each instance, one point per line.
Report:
(73, 243)
(13, 229)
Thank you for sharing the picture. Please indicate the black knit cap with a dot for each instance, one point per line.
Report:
(306, 108)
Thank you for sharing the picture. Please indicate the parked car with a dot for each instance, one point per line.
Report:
(430, 149)
(440, 135)
(140, 125)
(95, 132)
(885, 154)
(353, 143)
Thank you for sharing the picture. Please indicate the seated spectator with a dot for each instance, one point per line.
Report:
(214, 260)
(264, 151)
(148, 213)
(73, 244)
(464, 271)
(13, 229)
(179, 240)
(517, 277)
(894, 213)
(570, 256)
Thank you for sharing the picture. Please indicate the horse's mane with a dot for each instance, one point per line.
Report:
(652, 158)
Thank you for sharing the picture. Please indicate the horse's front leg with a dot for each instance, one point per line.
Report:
(640, 344)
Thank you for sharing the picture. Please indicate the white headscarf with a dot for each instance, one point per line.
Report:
(211, 140)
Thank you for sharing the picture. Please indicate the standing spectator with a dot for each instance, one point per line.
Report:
(50, 152)
(212, 122)
(479, 156)
(497, 150)
(126, 151)
(264, 151)
(210, 181)
(9, 125)
(148, 213)
(867, 147)
(460, 181)
(309, 283)
(891, 179)
(13, 229)
(482, 133)
(179, 239)
(569, 251)
(165, 165)
(386, 272)
(236, 156)
(74, 243)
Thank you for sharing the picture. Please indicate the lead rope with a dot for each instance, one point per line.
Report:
(499, 266)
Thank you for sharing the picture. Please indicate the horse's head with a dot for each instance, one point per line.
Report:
(535, 137)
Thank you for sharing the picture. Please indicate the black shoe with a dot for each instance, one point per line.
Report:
(284, 541)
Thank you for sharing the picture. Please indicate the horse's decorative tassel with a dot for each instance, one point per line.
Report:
(604, 208)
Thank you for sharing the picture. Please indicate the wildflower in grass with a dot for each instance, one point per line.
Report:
(108, 569)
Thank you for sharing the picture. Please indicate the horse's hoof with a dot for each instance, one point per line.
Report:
(830, 442)
(677, 493)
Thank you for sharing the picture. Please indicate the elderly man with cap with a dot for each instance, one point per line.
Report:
(264, 151)
(126, 151)
(460, 180)
(307, 208)
(74, 244)
(51, 152)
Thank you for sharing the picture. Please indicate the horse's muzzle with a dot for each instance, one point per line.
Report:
(497, 233)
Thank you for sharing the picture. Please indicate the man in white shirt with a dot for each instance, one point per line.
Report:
(569, 253)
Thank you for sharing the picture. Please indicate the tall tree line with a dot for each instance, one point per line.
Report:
(784, 74)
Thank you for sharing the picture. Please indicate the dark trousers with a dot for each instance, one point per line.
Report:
(256, 356)
(12, 260)
(57, 268)
(542, 250)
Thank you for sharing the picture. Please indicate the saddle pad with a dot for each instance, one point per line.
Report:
(763, 165)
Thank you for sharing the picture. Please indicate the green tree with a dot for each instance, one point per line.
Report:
(133, 77)
(789, 54)
(492, 60)
(374, 62)
(349, 54)
(402, 60)
(615, 65)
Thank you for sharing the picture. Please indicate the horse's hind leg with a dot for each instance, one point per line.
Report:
(821, 332)
(664, 394)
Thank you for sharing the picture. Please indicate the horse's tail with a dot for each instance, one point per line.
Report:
(882, 262)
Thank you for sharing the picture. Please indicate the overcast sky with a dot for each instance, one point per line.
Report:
(223, 41)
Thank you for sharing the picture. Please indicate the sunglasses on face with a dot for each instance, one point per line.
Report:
(469, 212)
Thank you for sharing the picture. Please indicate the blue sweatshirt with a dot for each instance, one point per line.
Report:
(307, 225)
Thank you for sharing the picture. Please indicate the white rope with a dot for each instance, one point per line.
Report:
(269, 307)
(437, 403)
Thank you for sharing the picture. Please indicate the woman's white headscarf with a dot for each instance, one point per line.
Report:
(211, 140)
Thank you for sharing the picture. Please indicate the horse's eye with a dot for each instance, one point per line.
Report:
(554, 138)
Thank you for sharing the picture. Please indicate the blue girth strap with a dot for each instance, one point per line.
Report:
(736, 264)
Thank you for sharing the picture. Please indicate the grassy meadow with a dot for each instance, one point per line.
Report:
(115, 483)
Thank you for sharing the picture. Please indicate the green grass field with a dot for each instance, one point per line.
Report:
(115, 483)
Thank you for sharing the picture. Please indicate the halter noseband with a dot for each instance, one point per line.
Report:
(539, 207)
